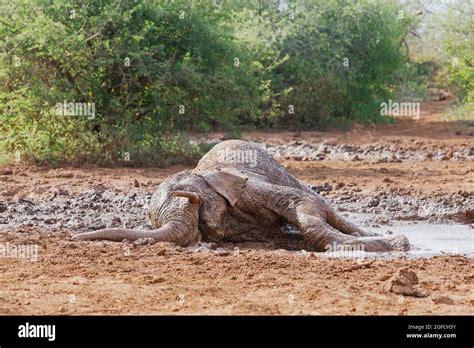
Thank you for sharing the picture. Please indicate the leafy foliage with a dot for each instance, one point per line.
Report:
(140, 63)
(154, 70)
(459, 43)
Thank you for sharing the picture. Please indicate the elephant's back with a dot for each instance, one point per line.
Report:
(251, 160)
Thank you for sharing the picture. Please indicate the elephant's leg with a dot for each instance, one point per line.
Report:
(309, 214)
(347, 227)
(322, 236)
(318, 233)
(335, 220)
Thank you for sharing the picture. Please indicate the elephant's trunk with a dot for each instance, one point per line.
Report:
(181, 231)
(175, 222)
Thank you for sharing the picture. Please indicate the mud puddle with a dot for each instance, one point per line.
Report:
(426, 239)
(435, 239)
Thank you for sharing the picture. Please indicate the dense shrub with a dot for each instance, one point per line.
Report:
(149, 68)
(459, 44)
(153, 70)
(341, 61)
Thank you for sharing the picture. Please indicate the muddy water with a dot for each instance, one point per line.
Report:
(434, 239)
(426, 239)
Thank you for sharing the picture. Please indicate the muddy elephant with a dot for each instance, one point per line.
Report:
(237, 192)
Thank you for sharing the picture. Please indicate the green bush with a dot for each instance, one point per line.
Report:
(150, 69)
(154, 70)
(341, 62)
(459, 44)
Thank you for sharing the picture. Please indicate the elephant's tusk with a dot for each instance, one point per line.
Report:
(193, 196)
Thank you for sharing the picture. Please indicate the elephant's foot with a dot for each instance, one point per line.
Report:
(381, 244)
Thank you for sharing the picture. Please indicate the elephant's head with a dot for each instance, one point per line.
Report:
(177, 204)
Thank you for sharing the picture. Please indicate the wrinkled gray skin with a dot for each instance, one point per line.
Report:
(238, 192)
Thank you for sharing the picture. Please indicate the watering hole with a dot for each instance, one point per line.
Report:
(426, 239)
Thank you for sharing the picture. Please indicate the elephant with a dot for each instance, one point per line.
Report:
(238, 192)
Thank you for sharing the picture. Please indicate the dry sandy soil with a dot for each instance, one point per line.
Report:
(121, 278)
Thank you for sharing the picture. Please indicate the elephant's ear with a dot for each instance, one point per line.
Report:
(228, 185)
